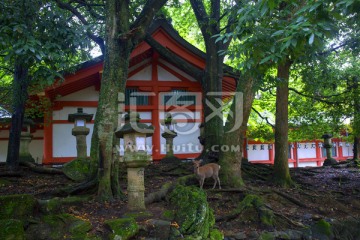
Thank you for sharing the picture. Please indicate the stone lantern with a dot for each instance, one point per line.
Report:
(327, 145)
(80, 131)
(135, 157)
(25, 139)
(169, 134)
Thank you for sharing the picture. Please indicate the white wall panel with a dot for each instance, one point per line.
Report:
(4, 133)
(36, 149)
(307, 152)
(3, 150)
(63, 114)
(186, 141)
(64, 143)
(164, 75)
(86, 94)
(142, 75)
(177, 70)
(347, 151)
(260, 155)
(182, 115)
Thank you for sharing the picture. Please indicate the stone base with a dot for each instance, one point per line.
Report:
(330, 162)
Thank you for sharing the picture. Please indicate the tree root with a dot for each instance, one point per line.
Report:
(231, 190)
(291, 199)
(76, 189)
(294, 223)
(229, 217)
(166, 188)
(33, 167)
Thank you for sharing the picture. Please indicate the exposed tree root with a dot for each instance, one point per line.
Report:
(233, 190)
(33, 167)
(291, 199)
(166, 188)
(294, 223)
(76, 189)
(229, 217)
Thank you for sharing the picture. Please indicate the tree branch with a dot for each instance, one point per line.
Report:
(201, 16)
(98, 40)
(262, 117)
(320, 99)
(146, 16)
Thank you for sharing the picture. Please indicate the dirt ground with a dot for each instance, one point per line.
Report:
(319, 193)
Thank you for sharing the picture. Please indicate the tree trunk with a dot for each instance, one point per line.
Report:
(212, 89)
(20, 95)
(281, 165)
(212, 79)
(120, 39)
(116, 62)
(230, 161)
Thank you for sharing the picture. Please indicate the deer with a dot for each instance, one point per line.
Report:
(207, 171)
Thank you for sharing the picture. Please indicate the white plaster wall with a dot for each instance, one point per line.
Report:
(143, 75)
(347, 151)
(36, 149)
(3, 150)
(38, 133)
(307, 152)
(260, 155)
(86, 94)
(164, 75)
(186, 141)
(36, 146)
(177, 70)
(64, 143)
(291, 165)
(188, 115)
(63, 114)
(140, 64)
(307, 164)
(4, 133)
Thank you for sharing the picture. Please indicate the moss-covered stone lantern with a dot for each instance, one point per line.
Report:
(169, 135)
(327, 145)
(80, 131)
(25, 139)
(135, 157)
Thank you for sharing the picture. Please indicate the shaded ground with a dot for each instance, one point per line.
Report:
(320, 193)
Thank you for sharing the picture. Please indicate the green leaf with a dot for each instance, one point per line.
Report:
(311, 39)
(277, 33)
(265, 59)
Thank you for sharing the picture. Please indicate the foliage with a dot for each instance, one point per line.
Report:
(50, 44)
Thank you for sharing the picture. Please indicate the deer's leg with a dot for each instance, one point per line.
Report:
(214, 182)
(218, 179)
(202, 182)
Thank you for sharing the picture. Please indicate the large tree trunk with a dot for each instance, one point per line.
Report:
(212, 79)
(20, 95)
(116, 61)
(230, 161)
(281, 165)
(120, 39)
